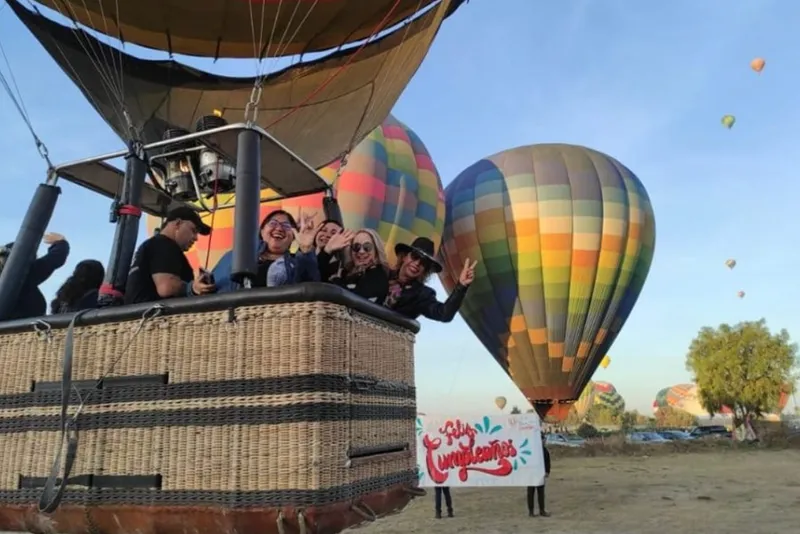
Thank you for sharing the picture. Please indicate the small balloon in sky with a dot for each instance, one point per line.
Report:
(728, 121)
(758, 64)
(730, 264)
(740, 294)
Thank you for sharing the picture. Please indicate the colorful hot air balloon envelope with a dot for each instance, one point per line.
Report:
(389, 184)
(585, 401)
(500, 402)
(605, 394)
(730, 264)
(564, 238)
(728, 121)
(758, 64)
(684, 398)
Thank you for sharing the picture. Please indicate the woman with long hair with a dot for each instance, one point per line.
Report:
(365, 269)
(80, 291)
(330, 267)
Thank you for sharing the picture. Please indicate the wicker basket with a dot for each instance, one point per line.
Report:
(276, 418)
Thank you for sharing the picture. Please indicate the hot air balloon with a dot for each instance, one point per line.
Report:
(730, 264)
(585, 401)
(758, 64)
(564, 238)
(740, 294)
(281, 126)
(500, 402)
(606, 362)
(389, 184)
(685, 398)
(728, 121)
(605, 394)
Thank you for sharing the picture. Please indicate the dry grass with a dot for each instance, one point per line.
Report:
(721, 491)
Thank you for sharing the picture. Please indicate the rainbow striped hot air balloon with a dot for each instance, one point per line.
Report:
(389, 184)
(564, 238)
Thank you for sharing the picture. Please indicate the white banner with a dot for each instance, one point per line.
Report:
(496, 450)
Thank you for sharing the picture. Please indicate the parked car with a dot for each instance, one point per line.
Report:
(675, 435)
(645, 437)
(710, 431)
(564, 440)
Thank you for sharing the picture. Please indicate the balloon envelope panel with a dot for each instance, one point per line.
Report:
(564, 238)
(389, 184)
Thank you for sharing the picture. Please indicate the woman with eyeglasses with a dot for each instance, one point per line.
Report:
(365, 270)
(408, 293)
(276, 234)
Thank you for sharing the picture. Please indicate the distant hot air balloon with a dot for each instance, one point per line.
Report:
(684, 398)
(500, 402)
(389, 184)
(564, 238)
(728, 121)
(585, 401)
(740, 294)
(730, 264)
(605, 394)
(758, 64)
(606, 362)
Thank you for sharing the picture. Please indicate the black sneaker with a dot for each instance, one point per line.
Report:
(438, 515)
(544, 514)
(531, 514)
(450, 513)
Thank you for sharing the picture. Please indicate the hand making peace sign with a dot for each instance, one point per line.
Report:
(467, 273)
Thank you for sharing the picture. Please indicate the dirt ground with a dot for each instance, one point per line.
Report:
(713, 493)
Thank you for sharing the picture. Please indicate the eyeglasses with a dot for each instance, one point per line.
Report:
(286, 225)
(358, 247)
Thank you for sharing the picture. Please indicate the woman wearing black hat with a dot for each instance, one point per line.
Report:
(408, 294)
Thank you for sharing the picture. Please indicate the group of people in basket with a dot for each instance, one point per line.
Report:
(326, 252)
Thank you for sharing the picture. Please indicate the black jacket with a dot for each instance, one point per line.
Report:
(546, 459)
(31, 302)
(372, 284)
(87, 302)
(417, 299)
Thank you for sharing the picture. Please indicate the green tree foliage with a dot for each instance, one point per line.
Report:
(600, 415)
(515, 410)
(669, 417)
(744, 367)
(587, 431)
(628, 420)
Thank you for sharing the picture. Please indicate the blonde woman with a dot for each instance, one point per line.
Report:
(365, 269)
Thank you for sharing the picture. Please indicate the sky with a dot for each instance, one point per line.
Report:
(645, 82)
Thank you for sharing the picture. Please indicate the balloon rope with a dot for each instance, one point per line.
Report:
(338, 71)
(215, 205)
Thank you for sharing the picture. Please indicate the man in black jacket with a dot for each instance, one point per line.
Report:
(539, 490)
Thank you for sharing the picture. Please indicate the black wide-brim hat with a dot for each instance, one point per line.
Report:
(424, 247)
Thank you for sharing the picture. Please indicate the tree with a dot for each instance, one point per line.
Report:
(744, 367)
(628, 420)
(669, 417)
(515, 410)
(602, 415)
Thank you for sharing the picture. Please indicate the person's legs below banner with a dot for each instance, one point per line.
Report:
(448, 501)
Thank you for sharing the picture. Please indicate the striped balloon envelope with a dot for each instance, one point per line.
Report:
(605, 394)
(389, 184)
(564, 238)
(585, 401)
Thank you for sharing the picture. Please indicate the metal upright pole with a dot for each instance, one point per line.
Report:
(25, 246)
(248, 201)
(126, 212)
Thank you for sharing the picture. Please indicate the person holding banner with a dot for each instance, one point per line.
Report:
(447, 500)
(539, 490)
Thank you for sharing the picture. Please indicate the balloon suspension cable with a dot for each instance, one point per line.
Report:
(338, 71)
(18, 102)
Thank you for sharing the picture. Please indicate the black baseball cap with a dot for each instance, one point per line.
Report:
(185, 213)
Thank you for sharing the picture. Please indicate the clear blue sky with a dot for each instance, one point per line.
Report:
(645, 82)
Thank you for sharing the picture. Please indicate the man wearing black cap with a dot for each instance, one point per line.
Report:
(160, 269)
